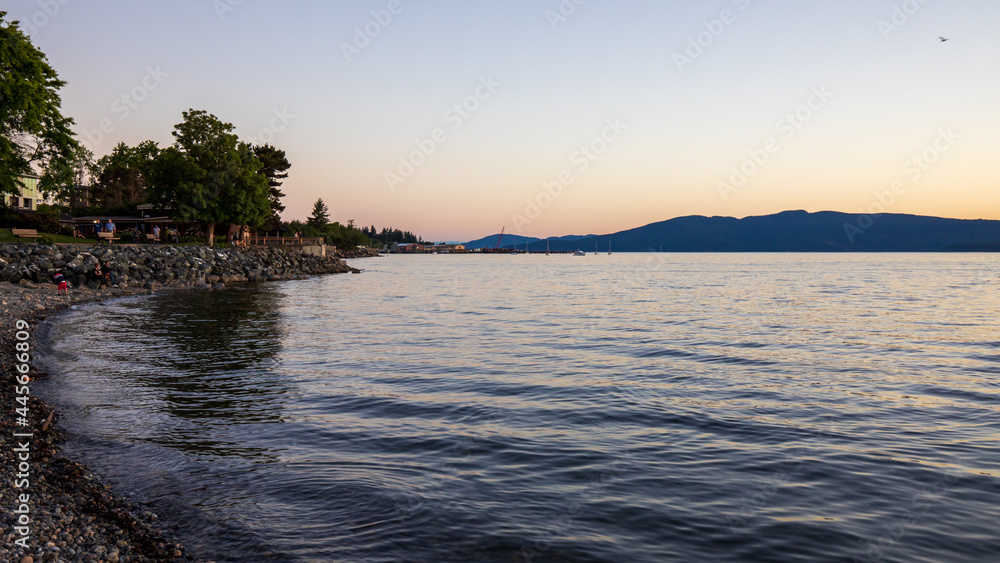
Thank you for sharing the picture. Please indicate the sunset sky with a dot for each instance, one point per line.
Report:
(453, 119)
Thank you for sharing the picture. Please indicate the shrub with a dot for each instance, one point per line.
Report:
(44, 221)
(129, 236)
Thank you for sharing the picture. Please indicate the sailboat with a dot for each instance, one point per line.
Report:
(609, 247)
(579, 253)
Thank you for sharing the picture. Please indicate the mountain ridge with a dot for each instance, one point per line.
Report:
(787, 231)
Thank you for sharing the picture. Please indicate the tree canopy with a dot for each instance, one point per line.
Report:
(274, 166)
(122, 178)
(210, 176)
(320, 216)
(32, 127)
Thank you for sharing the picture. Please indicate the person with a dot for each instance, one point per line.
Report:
(175, 235)
(97, 229)
(245, 239)
(298, 238)
(77, 233)
(156, 233)
(110, 228)
(99, 275)
(110, 276)
(63, 285)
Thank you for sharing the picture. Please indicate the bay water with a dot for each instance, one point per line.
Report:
(627, 407)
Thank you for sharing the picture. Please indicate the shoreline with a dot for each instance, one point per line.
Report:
(71, 514)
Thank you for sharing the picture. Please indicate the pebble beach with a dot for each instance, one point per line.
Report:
(70, 514)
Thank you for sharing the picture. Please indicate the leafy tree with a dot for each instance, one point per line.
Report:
(123, 176)
(32, 127)
(210, 176)
(274, 166)
(320, 216)
(61, 177)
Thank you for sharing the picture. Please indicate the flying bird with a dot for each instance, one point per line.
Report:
(943, 39)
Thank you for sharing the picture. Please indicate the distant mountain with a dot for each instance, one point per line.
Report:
(792, 231)
(510, 240)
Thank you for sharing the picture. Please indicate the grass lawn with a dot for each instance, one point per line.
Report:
(6, 236)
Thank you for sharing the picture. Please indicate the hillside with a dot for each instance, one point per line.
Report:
(790, 231)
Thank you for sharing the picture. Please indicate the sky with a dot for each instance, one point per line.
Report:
(454, 119)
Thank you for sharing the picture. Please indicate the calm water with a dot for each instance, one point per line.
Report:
(635, 407)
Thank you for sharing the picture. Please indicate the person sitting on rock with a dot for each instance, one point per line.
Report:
(99, 275)
(109, 275)
(61, 280)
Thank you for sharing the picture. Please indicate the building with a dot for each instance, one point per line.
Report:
(447, 248)
(409, 248)
(29, 198)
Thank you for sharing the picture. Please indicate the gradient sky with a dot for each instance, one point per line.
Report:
(278, 71)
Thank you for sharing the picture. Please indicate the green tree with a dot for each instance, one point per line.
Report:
(62, 177)
(274, 166)
(210, 176)
(123, 177)
(320, 217)
(32, 127)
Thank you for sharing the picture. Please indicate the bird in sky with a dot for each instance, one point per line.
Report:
(943, 39)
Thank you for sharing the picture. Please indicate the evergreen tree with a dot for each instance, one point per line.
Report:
(274, 166)
(320, 217)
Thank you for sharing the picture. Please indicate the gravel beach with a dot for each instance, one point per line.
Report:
(70, 515)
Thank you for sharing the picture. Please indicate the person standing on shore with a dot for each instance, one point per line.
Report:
(63, 285)
(97, 229)
(110, 228)
(156, 233)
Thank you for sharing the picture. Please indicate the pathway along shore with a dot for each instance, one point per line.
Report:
(70, 514)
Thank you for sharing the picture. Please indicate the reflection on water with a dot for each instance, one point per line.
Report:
(609, 408)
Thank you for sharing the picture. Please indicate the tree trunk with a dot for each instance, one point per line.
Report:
(210, 234)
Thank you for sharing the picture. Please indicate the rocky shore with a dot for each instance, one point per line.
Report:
(72, 516)
(358, 253)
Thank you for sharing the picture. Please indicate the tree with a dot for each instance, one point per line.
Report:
(210, 176)
(274, 166)
(320, 217)
(123, 177)
(62, 177)
(32, 127)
